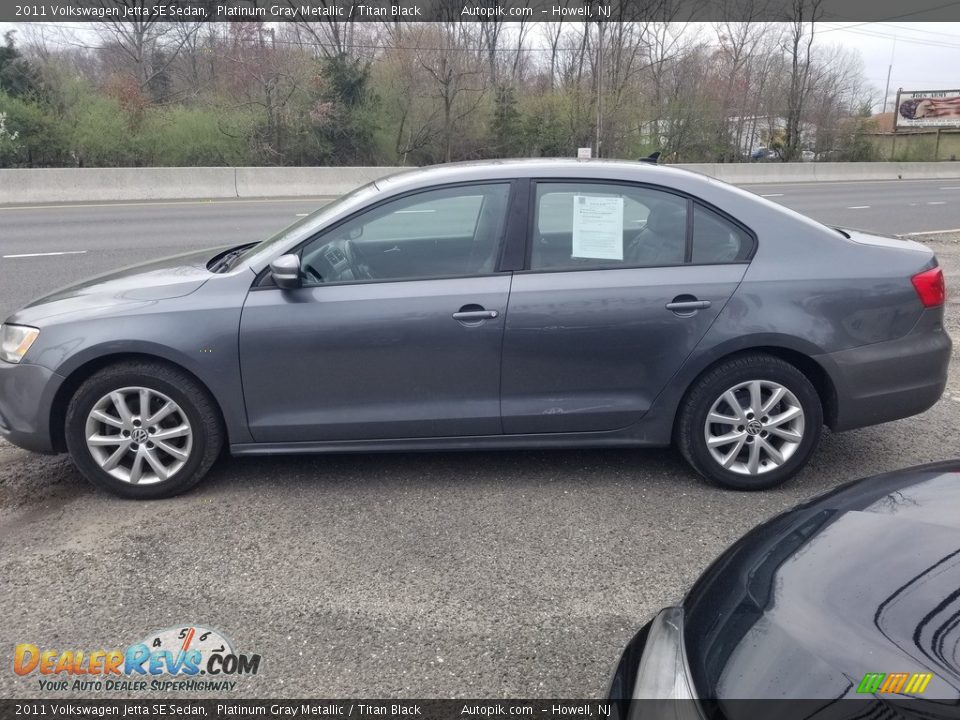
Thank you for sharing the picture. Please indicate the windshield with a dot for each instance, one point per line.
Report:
(305, 227)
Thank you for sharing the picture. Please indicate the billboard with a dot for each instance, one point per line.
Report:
(927, 108)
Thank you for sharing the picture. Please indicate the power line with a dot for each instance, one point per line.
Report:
(920, 30)
(900, 38)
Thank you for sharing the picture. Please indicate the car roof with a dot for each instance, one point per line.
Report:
(478, 170)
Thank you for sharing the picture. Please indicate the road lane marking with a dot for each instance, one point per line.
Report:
(47, 254)
(951, 187)
(773, 195)
(932, 232)
(858, 207)
(937, 202)
(301, 214)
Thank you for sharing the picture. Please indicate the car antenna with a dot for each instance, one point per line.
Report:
(653, 158)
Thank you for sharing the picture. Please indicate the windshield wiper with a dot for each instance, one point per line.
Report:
(223, 263)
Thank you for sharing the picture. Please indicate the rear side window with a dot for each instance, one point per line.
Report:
(594, 226)
(717, 240)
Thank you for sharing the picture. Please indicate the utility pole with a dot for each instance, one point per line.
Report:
(886, 92)
(599, 71)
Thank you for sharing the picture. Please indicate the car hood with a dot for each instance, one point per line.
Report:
(865, 579)
(162, 279)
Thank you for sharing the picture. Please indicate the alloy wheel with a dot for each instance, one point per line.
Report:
(138, 435)
(754, 427)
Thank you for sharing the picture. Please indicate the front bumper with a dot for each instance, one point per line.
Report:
(26, 398)
(890, 380)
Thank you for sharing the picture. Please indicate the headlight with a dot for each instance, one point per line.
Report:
(15, 340)
(664, 674)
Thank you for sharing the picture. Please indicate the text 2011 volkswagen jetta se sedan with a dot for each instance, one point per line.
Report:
(489, 305)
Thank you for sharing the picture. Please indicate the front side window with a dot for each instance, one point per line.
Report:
(446, 232)
(597, 226)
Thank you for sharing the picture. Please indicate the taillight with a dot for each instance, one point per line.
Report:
(930, 287)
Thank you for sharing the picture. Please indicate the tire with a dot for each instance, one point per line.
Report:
(129, 458)
(790, 424)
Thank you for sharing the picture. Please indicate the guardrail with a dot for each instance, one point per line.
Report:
(57, 185)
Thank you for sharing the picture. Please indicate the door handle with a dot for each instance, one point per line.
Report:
(685, 306)
(474, 315)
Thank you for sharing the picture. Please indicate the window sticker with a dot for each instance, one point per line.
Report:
(597, 227)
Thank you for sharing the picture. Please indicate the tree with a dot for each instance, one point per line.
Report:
(342, 115)
(453, 65)
(17, 77)
(146, 43)
(506, 129)
(800, 52)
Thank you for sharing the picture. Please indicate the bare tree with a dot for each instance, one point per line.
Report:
(141, 40)
(800, 51)
(453, 65)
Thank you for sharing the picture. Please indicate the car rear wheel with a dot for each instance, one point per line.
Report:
(143, 430)
(750, 423)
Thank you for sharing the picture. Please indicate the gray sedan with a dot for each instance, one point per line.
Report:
(518, 304)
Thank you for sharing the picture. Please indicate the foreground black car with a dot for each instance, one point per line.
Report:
(854, 595)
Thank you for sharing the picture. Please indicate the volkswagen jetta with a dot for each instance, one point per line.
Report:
(509, 304)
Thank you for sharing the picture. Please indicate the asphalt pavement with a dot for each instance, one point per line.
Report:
(501, 574)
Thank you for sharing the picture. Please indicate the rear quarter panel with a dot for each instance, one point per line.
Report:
(808, 289)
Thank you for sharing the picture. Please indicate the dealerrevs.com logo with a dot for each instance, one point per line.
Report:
(184, 658)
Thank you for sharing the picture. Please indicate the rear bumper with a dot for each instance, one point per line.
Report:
(891, 380)
(26, 397)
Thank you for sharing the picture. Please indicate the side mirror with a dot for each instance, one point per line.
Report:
(285, 271)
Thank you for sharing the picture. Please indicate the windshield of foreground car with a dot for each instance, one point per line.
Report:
(301, 229)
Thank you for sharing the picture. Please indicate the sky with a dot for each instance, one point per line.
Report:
(924, 56)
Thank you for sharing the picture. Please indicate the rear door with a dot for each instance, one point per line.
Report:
(621, 283)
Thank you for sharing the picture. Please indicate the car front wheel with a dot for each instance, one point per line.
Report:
(143, 430)
(750, 423)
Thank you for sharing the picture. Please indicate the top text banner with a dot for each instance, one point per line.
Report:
(466, 11)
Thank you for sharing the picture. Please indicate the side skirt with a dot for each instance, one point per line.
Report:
(481, 442)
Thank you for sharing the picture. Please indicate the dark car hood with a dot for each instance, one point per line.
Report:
(156, 280)
(865, 579)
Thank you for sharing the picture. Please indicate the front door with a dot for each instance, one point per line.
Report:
(396, 332)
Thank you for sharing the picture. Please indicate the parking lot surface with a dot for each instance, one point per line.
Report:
(412, 575)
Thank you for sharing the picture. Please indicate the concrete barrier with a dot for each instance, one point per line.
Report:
(310, 181)
(109, 184)
(749, 173)
(774, 173)
(20, 187)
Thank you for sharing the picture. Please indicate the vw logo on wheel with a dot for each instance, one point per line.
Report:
(754, 427)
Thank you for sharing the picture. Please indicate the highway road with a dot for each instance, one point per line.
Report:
(101, 237)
